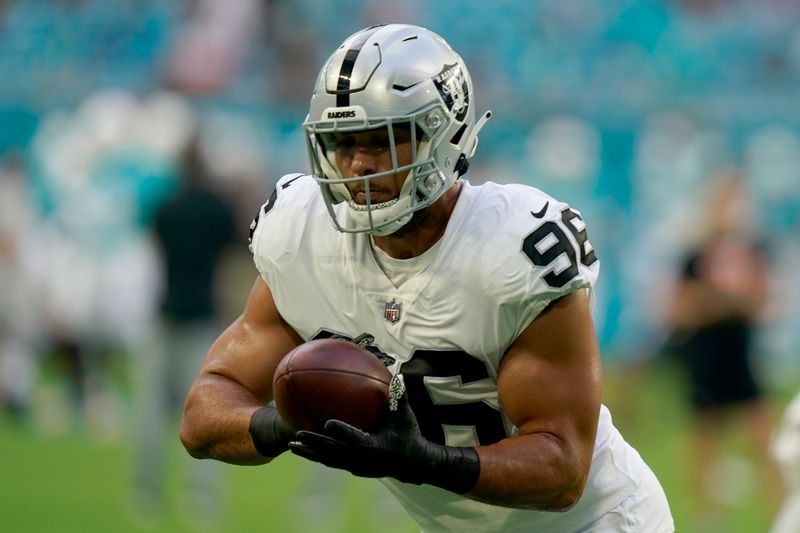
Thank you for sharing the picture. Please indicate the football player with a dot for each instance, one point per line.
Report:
(479, 296)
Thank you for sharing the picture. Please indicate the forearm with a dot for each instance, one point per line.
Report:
(531, 471)
(216, 420)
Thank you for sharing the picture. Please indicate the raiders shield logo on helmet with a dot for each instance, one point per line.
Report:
(453, 88)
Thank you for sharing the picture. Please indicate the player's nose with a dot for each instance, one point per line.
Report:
(364, 163)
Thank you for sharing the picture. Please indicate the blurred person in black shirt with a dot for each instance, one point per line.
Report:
(718, 304)
(193, 230)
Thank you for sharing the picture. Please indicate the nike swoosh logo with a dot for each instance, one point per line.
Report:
(540, 213)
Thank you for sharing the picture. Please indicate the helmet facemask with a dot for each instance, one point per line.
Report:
(421, 186)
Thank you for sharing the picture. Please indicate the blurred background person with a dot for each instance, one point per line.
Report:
(20, 329)
(717, 306)
(101, 170)
(193, 231)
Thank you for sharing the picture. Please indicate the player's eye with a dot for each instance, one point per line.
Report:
(344, 142)
(379, 142)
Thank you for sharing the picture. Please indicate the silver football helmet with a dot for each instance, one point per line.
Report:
(384, 77)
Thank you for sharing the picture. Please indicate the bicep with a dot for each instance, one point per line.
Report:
(550, 379)
(249, 350)
(549, 387)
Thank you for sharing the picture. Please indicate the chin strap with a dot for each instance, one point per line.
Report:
(462, 165)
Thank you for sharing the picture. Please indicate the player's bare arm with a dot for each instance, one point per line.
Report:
(235, 381)
(550, 386)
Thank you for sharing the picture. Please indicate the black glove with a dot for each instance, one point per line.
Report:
(270, 434)
(397, 450)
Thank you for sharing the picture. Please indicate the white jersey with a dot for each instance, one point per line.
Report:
(507, 252)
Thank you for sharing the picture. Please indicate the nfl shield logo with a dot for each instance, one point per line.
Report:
(392, 310)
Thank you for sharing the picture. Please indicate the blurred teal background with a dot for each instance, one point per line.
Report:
(625, 109)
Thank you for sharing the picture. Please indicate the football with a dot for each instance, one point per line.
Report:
(325, 379)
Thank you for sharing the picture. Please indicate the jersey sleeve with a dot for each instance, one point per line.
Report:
(548, 255)
(269, 234)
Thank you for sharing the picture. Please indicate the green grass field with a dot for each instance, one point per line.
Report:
(74, 481)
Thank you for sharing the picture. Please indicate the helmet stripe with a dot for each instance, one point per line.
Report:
(343, 85)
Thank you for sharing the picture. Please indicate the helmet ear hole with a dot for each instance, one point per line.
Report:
(456, 138)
